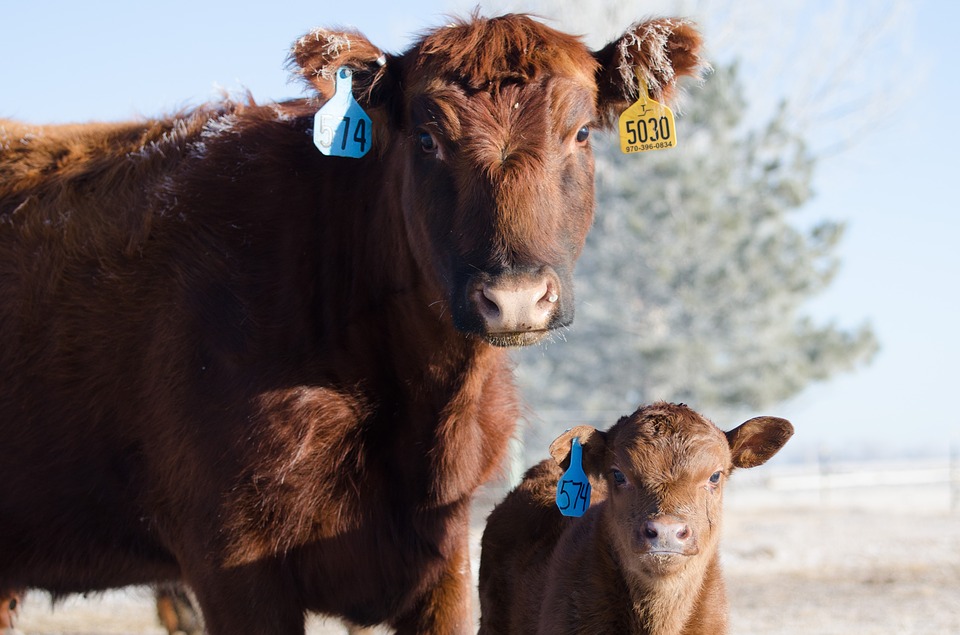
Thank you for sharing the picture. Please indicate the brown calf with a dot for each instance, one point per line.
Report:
(643, 558)
(278, 375)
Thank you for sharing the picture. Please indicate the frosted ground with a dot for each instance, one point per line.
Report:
(866, 549)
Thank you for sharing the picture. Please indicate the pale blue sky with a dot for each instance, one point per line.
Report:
(897, 190)
(68, 61)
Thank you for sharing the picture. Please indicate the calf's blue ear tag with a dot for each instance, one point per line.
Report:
(573, 489)
(341, 128)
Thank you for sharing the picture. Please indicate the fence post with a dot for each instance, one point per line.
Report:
(823, 471)
(955, 476)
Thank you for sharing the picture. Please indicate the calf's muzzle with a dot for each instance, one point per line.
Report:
(666, 534)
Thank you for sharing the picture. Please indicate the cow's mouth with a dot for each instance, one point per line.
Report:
(661, 563)
(515, 339)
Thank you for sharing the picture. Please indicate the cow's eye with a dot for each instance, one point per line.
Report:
(715, 477)
(427, 143)
(583, 134)
(618, 477)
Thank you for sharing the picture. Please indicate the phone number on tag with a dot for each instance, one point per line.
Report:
(660, 145)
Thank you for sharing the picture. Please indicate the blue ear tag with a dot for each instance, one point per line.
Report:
(340, 127)
(573, 489)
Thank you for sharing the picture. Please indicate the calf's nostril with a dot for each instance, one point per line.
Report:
(650, 530)
(683, 533)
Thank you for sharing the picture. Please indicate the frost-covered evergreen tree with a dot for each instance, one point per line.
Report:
(694, 278)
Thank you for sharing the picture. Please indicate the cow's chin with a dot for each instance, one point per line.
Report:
(659, 564)
(516, 339)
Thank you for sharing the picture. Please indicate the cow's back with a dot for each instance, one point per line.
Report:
(119, 295)
(518, 545)
(79, 289)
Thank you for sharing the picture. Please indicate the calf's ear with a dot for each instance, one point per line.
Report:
(593, 442)
(318, 55)
(660, 50)
(753, 442)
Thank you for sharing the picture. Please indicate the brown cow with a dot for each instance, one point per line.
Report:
(278, 375)
(643, 558)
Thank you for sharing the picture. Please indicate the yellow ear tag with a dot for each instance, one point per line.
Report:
(647, 124)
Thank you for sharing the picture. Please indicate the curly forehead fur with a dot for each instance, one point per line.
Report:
(666, 425)
(486, 52)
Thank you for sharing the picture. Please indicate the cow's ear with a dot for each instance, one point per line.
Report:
(661, 51)
(593, 442)
(752, 443)
(318, 55)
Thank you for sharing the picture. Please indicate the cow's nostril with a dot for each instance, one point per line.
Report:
(650, 530)
(551, 295)
(683, 533)
(487, 303)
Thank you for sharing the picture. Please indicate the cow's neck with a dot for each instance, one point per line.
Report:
(677, 604)
(403, 303)
(462, 406)
(394, 339)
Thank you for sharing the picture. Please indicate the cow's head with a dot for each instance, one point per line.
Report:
(493, 120)
(665, 467)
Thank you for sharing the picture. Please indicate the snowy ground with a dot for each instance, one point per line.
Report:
(866, 551)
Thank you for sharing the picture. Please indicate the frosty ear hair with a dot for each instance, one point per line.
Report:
(317, 55)
(660, 50)
(593, 442)
(753, 442)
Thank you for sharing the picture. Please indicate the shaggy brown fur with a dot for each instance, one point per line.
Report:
(229, 359)
(643, 559)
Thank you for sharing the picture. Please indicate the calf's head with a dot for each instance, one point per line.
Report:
(492, 120)
(665, 467)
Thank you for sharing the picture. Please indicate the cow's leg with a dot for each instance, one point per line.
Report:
(176, 611)
(446, 608)
(248, 600)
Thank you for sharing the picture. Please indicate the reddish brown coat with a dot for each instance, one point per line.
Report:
(277, 375)
(643, 559)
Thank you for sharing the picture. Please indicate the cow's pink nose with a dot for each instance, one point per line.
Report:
(515, 306)
(669, 531)
(667, 535)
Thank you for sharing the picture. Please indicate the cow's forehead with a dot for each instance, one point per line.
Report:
(484, 54)
(566, 103)
(671, 440)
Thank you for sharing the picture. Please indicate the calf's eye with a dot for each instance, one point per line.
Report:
(582, 134)
(618, 477)
(715, 477)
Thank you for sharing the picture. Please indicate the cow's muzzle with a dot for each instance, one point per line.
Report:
(518, 309)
